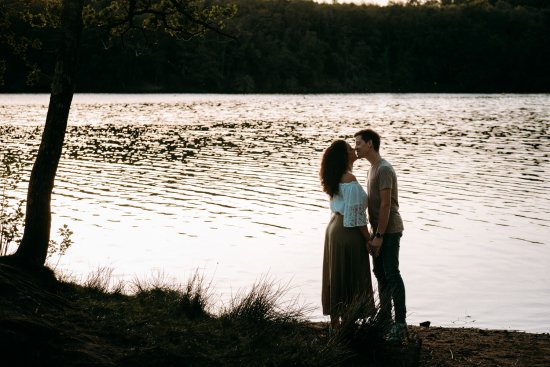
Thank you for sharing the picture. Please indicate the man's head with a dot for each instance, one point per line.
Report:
(365, 140)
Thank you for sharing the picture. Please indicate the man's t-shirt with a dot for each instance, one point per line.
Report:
(382, 176)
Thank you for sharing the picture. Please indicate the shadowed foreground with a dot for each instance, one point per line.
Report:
(46, 322)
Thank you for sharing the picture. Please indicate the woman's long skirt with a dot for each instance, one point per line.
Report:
(346, 269)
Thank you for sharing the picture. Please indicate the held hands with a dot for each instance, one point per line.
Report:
(374, 246)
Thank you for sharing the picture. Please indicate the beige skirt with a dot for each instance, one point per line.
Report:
(346, 269)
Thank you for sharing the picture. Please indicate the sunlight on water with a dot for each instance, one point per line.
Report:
(228, 184)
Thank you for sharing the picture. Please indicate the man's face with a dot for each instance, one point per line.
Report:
(361, 147)
(352, 157)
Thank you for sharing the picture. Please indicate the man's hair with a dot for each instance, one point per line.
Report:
(368, 134)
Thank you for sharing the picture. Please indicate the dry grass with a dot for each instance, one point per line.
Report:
(150, 323)
(102, 322)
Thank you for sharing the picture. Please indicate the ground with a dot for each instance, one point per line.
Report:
(478, 347)
(44, 322)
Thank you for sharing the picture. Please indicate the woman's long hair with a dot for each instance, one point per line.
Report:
(333, 166)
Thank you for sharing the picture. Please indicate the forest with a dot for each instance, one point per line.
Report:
(298, 46)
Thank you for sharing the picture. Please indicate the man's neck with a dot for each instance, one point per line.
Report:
(374, 158)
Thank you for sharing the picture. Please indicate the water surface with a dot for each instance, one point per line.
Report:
(228, 185)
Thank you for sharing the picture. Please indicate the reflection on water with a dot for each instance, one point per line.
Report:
(228, 184)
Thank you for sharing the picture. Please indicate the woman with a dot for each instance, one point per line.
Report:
(346, 267)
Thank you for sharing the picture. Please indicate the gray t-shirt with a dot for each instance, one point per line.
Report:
(382, 176)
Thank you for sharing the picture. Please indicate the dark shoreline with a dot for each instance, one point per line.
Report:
(46, 322)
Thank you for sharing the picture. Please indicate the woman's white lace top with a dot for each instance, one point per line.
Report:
(351, 202)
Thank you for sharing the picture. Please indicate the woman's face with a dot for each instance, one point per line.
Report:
(352, 157)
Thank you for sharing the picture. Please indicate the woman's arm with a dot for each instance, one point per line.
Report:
(365, 232)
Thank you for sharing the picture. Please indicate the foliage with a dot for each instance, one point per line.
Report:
(306, 47)
(27, 30)
(179, 18)
(137, 25)
(60, 248)
(11, 210)
(19, 48)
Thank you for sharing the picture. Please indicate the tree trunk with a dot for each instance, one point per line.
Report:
(34, 246)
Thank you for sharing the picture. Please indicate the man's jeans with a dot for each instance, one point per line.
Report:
(390, 284)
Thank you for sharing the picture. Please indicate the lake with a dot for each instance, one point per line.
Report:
(159, 186)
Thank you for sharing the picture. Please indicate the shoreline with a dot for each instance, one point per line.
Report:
(47, 322)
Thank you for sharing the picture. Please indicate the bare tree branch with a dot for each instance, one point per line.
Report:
(181, 9)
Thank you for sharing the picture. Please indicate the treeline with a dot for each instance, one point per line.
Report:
(290, 46)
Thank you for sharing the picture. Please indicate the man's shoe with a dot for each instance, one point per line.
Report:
(398, 333)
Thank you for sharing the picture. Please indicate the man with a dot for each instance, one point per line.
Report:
(387, 228)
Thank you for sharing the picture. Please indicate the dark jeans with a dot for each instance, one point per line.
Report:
(390, 284)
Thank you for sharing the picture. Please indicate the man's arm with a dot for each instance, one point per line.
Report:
(383, 218)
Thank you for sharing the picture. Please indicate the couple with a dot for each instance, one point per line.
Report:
(346, 267)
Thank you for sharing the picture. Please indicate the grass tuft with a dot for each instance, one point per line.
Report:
(195, 299)
(265, 302)
(101, 281)
(191, 300)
